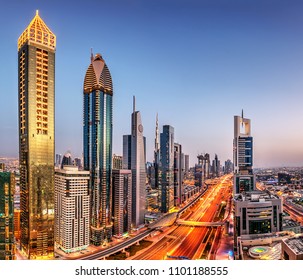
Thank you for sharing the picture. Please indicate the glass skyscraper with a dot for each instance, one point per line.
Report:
(36, 96)
(167, 168)
(97, 146)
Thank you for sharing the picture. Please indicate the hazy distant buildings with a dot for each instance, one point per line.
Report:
(186, 164)
(58, 160)
(72, 204)
(36, 95)
(97, 145)
(7, 239)
(134, 158)
(66, 160)
(167, 168)
(122, 201)
(216, 172)
(228, 167)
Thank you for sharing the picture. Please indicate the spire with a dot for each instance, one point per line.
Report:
(157, 142)
(134, 104)
(242, 113)
(91, 55)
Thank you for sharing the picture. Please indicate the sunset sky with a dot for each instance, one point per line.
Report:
(196, 63)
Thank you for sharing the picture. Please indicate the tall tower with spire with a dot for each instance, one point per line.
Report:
(134, 158)
(97, 146)
(36, 96)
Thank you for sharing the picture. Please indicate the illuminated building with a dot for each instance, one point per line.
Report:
(167, 168)
(97, 146)
(72, 225)
(7, 239)
(36, 90)
(134, 158)
(122, 201)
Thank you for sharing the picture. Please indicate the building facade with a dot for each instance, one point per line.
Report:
(7, 238)
(72, 220)
(97, 146)
(167, 168)
(122, 201)
(36, 90)
(257, 212)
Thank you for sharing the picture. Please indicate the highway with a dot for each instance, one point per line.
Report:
(193, 242)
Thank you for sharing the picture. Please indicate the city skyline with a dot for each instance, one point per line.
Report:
(229, 57)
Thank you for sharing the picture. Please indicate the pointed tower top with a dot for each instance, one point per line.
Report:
(242, 114)
(37, 32)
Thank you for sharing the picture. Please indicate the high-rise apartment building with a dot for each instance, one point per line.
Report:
(134, 158)
(167, 168)
(7, 239)
(97, 145)
(36, 92)
(122, 201)
(72, 222)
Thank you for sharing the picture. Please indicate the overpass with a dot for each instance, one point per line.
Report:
(199, 224)
(117, 248)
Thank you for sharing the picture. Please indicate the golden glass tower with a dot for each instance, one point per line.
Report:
(36, 94)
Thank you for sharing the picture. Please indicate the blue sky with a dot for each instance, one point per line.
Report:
(195, 63)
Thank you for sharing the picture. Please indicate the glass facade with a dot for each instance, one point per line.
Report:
(7, 239)
(97, 147)
(36, 87)
(167, 168)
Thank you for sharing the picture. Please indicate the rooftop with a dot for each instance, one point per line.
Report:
(295, 244)
(256, 196)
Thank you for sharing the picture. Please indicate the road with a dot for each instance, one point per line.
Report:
(194, 242)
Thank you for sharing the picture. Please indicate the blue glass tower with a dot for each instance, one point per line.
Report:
(97, 146)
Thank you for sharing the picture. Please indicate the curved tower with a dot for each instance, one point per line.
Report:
(36, 95)
(97, 146)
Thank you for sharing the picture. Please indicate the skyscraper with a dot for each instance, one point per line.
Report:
(97, 145)
(7, 240)
(134, 158)
(243, 155)
(167, 168)
(178, 174)
(36, 92)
